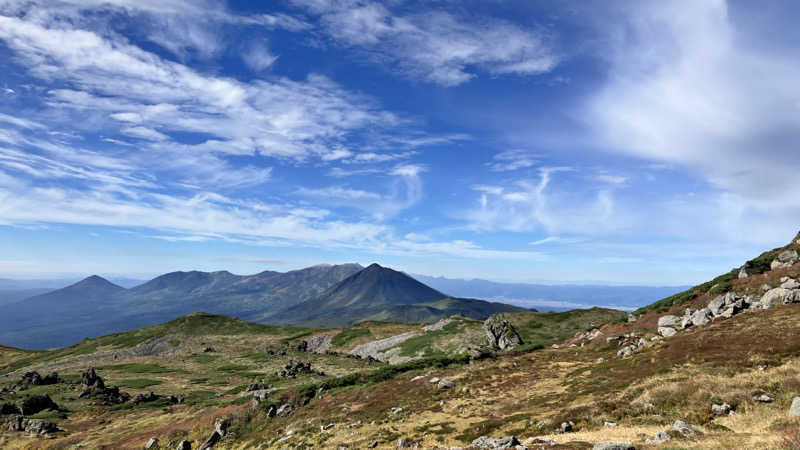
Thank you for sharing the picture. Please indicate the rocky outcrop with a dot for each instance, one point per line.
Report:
(495, 443)
(295, 368)
(95, 387)
(144, 398)
(785, 259)
(36, 404)
(500, 333)
(318, 344)
(35, 426)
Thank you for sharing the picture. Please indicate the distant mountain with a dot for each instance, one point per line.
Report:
(95, 306)
(380, 293)
(553, 296)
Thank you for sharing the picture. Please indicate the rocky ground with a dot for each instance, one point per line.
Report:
(715, 367)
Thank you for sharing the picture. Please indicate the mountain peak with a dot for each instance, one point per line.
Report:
(95, 282)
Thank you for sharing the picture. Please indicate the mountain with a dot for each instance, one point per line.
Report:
(557, 297)
(380, 293)
(95, 306)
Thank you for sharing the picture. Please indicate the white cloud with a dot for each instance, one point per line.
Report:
(433, 45)
(258, 57)
(513, 160)
(699, 91)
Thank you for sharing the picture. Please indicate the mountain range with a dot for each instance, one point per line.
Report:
(324, 295)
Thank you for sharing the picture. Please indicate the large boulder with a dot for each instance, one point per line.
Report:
(785, 259)
(668, 320)
(500, 333)
(778, 296)
(701, 317)
(91, 379)
(685, 429)
(666, 331)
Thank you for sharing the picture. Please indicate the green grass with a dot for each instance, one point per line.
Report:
(203, 358)
(174, 342)
(542, 329)
(138, 383)
(424, 342)
(349, 335)
(136, 368)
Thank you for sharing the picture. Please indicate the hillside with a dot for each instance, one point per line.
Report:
(380, 293)
(94, 306)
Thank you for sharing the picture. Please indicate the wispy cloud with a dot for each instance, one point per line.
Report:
(434, 45)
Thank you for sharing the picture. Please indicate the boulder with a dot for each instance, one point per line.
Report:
(613, 446)
(35, 426)
(567, 427)
(701, 317)
(145, 398)
(668, 320)
(295, 368)
(685, 429)
(221, 426)
(445, 385)
(500, 333)
(794, 410)
(666, 331)
(211, 441)
(495, 443)
(284, 410)
(37, 403)
(717, 305)
(176, 399)
(660, 438)
(626, 351)
(91, 379)
(721, 410)
(151, 444)
(184, 445)
(790, 284)
(743, 273)
(779, 296)
(763, 398)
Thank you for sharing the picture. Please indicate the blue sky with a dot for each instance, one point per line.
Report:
(628, 142)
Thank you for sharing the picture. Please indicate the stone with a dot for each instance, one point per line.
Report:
(721, 410)
(660, 438)
(778, 296)
(284, 410)
(151, 444)
(668, 320)
(294, 368)
(626, 351)
(685, 429)
(794, 410)
(35, 426)
(221, 426)
(211, 441)
(631, 318)
(500, 334)
(145, 398)
(403, 443)
(609, 424)
(495, 443)
(613, 446)
(600, 360)
(743, 273)
(543, 441)
(37, 403)
(666, 331)
(567, 427)
(184, 445)
(92, 380)
(372, 444)
(701, 317)
(716, 305)
(434, 380)
(176, 399)
(445, 385)
(790, 284)
(763, 398)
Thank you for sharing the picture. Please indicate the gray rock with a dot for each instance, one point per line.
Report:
(566, 427)
(701, 317)
(668, 321)
(184, 445)
(151, 444)
(613, 446)
(211, 441)
(495, 443)
(35, 426)
(685, 429)
(794, 410)
(779, 296)
(790, 284)
(402, 443)
(284, 410)
(660, 438)
(788, 257)
(763, 398)
(717, 305)
(445, 384)
(372, 444)
(666, 331)
(743, 273)
(500, 333)
(609, 424)
(543, 441)
(626, 351)
(721, 410)
(221, 426)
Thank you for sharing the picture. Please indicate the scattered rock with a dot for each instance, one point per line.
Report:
(666, 331)
(145, 398)
(779, 296)
(403, 443)
(221, 426)
(685, 429)
(35, 426)
(295, 368)
(257, 387)
(372, 444)
(701, 317)
(209, 350)
(721, 410)
(284, 410)
(613, 446)
(151, 444)
(445, 385)
(495, 443)
(763, 398)
(176, 399)
(566, 427)
(500, 333)
(211, 441)
(790, 284)
(91, 379)
(609, 424)
(785, 259)
(660, 438)
(184, 445)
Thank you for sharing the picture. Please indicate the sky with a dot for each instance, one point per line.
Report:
(634, 142)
